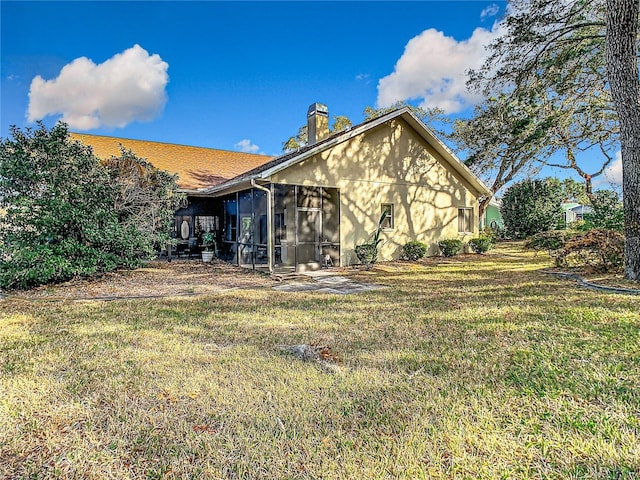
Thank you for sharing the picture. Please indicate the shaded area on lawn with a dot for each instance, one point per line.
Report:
(156, 279)
(478, 367)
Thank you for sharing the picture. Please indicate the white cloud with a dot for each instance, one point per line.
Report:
(490, 11)
(613, 173)
(130, 86)
(433, 68)
(246, 146)
(362, 76)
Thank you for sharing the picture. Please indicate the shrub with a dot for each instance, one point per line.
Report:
(64, 213)
(599, 250)
(491, 233)
(413, 250)
(550, 241)
(450, 247)
(367, 253)
(481, 244)
(531, 206)
(607, 213)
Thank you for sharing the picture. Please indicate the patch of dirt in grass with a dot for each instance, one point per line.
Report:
(156, 278)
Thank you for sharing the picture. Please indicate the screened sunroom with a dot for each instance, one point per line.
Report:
(274, 227)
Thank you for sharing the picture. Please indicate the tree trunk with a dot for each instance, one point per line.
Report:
(622, 73)
(482, 206)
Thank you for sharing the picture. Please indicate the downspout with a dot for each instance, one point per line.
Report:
(269, 224)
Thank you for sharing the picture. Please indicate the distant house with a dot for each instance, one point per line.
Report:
(312, 206)
(492, 216)
(574, 212)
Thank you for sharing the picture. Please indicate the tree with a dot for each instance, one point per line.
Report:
(434, 118)
(297, 141)
(622, 71)
(340, 123)
(575, 191)
(547, 96)
(531, 206)
(63, 211)
(146, 199)
(607, 212)
(549, 82)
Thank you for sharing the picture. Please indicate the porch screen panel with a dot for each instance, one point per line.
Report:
(284, 208)
(331, 226)
(308, 236)
(227, 250)
(260, 253)
(309, 197)
(245, 226)
(331, 216)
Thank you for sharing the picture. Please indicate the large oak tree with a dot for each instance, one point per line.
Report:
(549, 83)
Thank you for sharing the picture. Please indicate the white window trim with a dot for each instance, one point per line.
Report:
(468, 227)
(389, 215)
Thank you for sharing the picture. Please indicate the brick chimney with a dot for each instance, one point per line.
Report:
(317, 123)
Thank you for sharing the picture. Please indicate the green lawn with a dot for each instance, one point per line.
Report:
(482, 367)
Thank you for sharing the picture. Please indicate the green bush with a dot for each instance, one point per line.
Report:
(550, 241)
(481, 244)
(65, 213)
(599, 250)
(531, 206)
(607, 213)
(413, 251)
(367, 253)
(450, 247)
(56, 262)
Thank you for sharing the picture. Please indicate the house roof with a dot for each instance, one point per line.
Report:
(264, 171)
(197, 167)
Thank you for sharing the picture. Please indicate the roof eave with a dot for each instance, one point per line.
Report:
(425, 132)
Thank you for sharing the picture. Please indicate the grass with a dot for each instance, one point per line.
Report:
(478, 367)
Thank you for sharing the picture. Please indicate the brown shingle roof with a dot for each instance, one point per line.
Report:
(196, 167)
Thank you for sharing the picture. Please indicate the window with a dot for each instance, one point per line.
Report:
(386, 217)
(465, 220)
(206, 223)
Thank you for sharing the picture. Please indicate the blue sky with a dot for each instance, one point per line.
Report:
(232, 75)
(236, 71)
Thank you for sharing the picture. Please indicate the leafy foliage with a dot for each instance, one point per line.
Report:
(145, 203)
(599, 250)
(561, 79)
(531, 206)
(551, 241)
(427, 115)
(547, 97)
(481, 244)
(413, 250)
(450, 247)
(608, 212)
(367, 253)
(340, 123)
(209, 242)
(68, 215)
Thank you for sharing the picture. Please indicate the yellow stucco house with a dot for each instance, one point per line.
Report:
(311, 207)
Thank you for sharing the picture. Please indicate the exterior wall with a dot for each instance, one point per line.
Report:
(492, 214)
(389, 164)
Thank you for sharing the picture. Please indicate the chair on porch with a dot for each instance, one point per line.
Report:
(192, 247)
